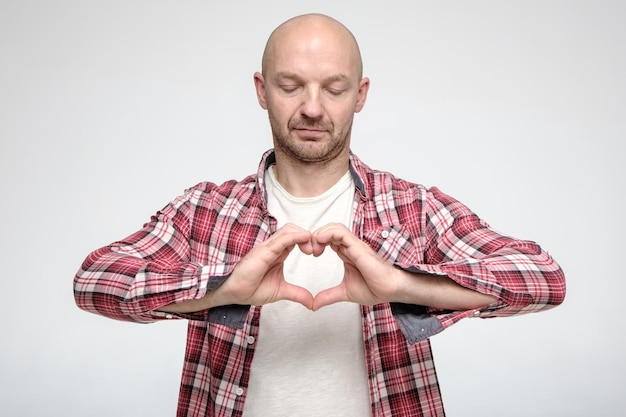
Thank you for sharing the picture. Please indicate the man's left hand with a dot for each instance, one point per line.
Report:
(367, 279)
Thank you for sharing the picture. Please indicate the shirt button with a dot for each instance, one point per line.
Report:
(385, 234)
(169, 316)
(239, 392)
(476, 313)
(250, 340)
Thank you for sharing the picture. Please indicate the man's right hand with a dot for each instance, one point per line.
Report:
(258, 277)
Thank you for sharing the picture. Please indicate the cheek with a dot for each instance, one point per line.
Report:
(279, 121)
(279, 109)
(343, 116)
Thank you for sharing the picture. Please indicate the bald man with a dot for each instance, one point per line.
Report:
(312, 286)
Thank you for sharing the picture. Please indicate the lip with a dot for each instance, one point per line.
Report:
(310, 133)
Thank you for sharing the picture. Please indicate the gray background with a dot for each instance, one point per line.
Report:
(109, 109)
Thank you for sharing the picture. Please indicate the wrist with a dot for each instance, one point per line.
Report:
(404, 287)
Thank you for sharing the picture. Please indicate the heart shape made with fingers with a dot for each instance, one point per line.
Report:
(259, 277)
(355, 256)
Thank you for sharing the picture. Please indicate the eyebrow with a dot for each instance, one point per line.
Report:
(293, 76)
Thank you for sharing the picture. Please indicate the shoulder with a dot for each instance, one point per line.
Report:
(379, 184)
(227, 187)
(206, 193)
(375, 182)
(408, 198)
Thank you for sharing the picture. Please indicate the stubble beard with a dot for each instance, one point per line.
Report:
(310, 151)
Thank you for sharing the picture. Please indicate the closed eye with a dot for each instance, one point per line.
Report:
(335, 92)
(289, 88)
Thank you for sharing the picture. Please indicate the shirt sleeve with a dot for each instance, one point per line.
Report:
(458, 244)
(130, 279)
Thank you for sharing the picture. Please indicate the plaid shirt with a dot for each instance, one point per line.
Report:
(192, 245)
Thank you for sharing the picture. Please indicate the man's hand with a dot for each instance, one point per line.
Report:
(258, 277)
(367, 279)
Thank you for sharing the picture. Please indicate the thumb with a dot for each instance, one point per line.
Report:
(330, 296)
(296, 294)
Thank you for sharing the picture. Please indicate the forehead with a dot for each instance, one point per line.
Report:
(313, 50)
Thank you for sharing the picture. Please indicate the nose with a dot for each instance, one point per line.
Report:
(311, 105)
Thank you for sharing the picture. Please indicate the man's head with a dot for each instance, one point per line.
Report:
(311, 84)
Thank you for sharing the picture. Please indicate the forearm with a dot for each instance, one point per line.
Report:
(523, 277)
(125, 287)
(519, 273)
(207, 302)
(438, 292)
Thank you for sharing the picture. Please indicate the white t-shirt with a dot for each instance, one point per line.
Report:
(310, 363)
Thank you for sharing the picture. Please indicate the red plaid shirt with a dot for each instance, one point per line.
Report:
(192, 245)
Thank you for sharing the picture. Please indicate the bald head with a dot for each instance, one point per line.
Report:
(311, 33)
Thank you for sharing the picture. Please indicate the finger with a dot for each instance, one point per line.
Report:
(330, 296)
(344, 243)
(333, 233)
(306, 247)
(287, 238)
(300, 236)
(336, 234)
(296, 294)
(331, 229)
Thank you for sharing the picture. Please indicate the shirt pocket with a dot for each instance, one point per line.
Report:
(395, 245)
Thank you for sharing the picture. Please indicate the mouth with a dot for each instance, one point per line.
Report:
(309, 133)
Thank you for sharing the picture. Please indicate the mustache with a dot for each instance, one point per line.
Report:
(309, 124)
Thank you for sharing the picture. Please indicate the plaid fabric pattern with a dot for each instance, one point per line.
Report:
(192, 245)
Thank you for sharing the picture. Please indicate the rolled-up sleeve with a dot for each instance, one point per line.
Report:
(458, 244)
(132, 278)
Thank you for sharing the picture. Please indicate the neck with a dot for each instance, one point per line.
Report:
(303, 179)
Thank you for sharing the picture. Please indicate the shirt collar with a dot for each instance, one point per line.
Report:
(358, 170)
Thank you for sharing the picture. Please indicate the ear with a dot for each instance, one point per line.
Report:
(259, 85)
(364, 87)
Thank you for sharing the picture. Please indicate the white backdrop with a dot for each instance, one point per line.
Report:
(109, 109)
